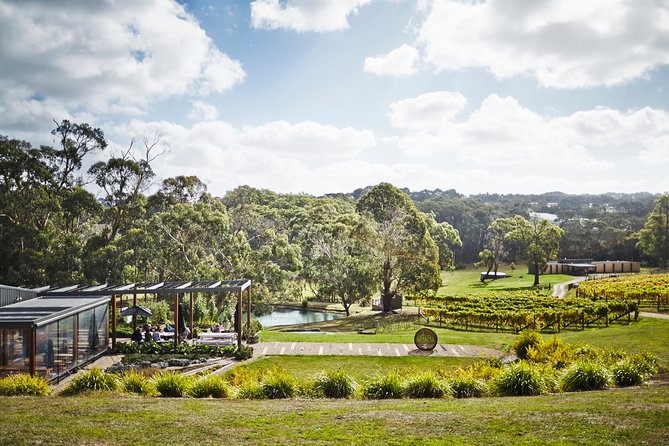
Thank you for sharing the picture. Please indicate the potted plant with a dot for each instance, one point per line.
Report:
(252, 332)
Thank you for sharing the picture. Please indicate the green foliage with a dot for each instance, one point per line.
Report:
(426, 385)
(335, 384)
(646, 362)
(214, 386)
(520, 379)
(172, 384)
(136, 382)
(24, 385)
(526, 339)
(586, 375)
(92, 380)
(382, 387)
(167, 348)
(243, 353)
(251, 390)
(627, 373)
(654, 237)
(278, 384)
(465, 386)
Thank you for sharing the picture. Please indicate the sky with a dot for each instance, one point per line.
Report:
(323, 96)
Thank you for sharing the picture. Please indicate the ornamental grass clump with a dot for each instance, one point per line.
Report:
(92, 380)
(278, 384)
(526, 339)
(335, 384)
(646, 362)
(211, 386)
(172, 384)
(466, 386)
(586, 375)
(426, 385)
(250, 390)
(386, 386)
(627, 373)
(136, 382)
(520, 379)
(24, 385)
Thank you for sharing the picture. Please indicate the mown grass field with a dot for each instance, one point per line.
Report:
(359, 367)
(614, 417)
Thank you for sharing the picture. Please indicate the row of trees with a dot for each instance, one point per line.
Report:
(54, 231)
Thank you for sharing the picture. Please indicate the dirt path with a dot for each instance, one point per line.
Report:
(560, 289)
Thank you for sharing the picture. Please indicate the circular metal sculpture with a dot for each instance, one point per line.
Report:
(425, 339)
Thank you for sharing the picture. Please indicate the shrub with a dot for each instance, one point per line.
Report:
(237, 376)
(93, 379)
(467, 387)
(556, 351)
(426, 385)
(526, 339)
(243, 353)
(484, 368)
(519, 379)
(133, 381)
(22, 384)
(646, 362)
(250, 390)
(277, 385)
(383, 387)
(628, 373)
(213, 386)
(335, 384)
(586, 375)
(172, 384)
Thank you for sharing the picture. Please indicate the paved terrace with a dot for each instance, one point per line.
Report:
(365, 349)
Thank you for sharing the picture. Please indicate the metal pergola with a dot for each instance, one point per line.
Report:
(156, 288)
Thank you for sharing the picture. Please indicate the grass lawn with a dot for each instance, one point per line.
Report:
(467, 281)
(614, 417)
(646, 334)
(359, 367)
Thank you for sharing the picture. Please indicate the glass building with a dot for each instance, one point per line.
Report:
(50, 336)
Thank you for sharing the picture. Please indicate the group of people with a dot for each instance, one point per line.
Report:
(150, 333)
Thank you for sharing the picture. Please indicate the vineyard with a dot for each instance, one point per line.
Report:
(518, 310)
(646, 290)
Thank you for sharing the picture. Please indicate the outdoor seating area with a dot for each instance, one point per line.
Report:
(213, 338)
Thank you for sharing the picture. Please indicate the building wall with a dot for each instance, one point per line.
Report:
(10, 295)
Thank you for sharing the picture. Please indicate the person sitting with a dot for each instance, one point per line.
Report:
(137, 336)
(155, 335)
(216, 328)
(147, 334)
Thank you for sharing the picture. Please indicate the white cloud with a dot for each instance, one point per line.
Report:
(502, 134)
(401, 61)
(429, 110)
(106, 57)
(563, 43)
(201, 111)
(278, 155)
(304, 15)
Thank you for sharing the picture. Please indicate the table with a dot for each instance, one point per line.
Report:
(209, 337)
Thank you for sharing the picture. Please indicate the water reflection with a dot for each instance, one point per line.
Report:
(286, 316)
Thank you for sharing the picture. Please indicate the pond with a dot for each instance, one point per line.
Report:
(288, 316)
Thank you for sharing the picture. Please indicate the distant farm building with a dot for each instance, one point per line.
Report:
(580, 267)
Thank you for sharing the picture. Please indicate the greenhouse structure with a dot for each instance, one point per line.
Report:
(49, 336)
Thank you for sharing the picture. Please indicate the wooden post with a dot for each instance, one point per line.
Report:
(113, 321)
(33, 349)
(239, 318)
(176, 319)
(248, 306)
(75, 348)
(191, 315)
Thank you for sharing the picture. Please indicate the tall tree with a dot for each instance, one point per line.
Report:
(541, 239)
(447, 239)
(495, 241)
(408, 255)
(654, 237)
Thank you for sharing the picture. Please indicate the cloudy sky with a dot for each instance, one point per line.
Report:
(320, 96)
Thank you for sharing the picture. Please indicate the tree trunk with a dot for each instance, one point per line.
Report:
(536, 274)
(388, 294)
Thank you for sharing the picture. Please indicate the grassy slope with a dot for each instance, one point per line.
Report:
(615, 417)
(467, 281)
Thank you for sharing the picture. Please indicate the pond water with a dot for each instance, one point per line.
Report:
(287, 316)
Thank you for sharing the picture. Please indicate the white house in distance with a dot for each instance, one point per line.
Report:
(580, 267)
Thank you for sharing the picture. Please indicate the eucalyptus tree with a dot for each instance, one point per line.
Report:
(337, 262)
(496, 239)
(447, 239)
(541, 240)
(654, 237)
(409, 259)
